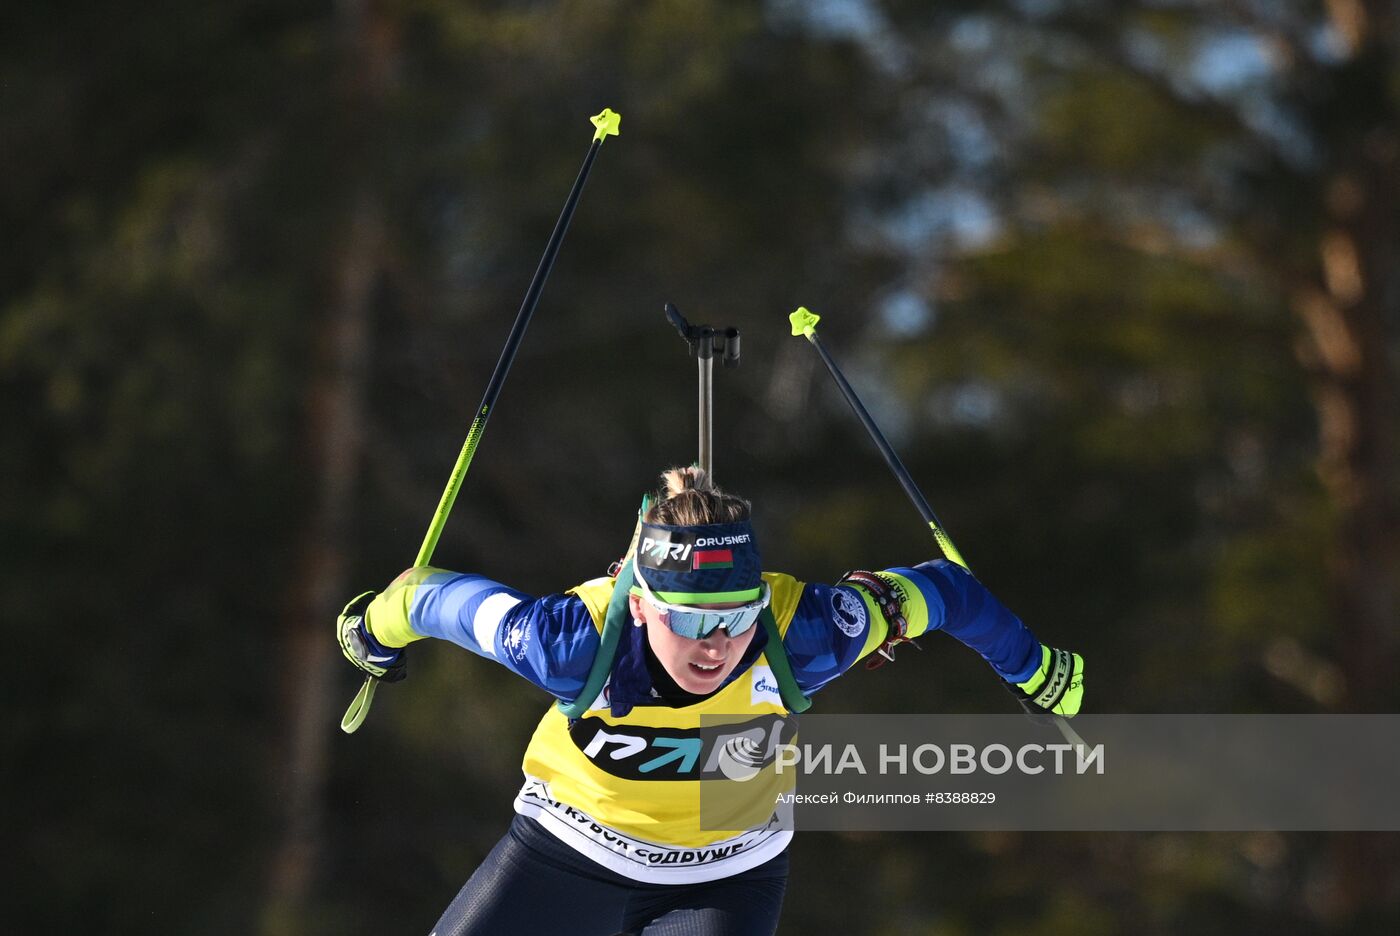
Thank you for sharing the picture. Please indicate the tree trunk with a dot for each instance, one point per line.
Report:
(1352, 320)
(335, 417)
(321, 586)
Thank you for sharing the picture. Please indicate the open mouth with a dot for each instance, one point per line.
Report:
(702, 668)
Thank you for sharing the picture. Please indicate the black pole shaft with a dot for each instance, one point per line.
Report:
(905, 480)
(532, 295)
(498, 376)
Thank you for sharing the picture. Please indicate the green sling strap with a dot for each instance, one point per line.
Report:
(618, 619)
(615, 622)
(793, 699)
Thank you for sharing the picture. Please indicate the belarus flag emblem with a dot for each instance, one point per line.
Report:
(712, 559)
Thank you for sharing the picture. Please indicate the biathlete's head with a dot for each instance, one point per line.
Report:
(699, 588)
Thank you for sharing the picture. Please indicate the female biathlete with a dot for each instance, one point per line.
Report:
(607, 836)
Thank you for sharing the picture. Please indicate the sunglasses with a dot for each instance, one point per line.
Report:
(695, 623)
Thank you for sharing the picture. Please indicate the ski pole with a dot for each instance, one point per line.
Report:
(606, 124)
(804, 324)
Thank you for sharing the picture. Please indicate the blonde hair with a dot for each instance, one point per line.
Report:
(689, 498)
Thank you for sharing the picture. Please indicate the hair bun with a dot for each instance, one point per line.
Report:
(689, 498)
(677, 480)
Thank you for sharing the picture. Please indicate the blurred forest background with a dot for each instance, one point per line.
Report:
(1120, 279)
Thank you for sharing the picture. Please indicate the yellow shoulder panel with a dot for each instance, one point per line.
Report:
(787, 592)
(596, 594)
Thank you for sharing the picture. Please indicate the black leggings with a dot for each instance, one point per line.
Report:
(532, 884)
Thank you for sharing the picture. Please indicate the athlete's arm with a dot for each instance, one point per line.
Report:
(835, 626)
(551, 641)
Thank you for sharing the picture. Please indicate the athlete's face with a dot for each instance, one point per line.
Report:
(698, 666)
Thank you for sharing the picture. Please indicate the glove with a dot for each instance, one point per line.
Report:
(361, 649)
(1057, 688)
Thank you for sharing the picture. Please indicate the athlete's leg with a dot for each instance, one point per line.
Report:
(746, 904)
(532, 885)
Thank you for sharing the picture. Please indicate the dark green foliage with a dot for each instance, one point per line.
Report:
(1109, 403)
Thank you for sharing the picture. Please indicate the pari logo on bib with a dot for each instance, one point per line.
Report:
(716, 566)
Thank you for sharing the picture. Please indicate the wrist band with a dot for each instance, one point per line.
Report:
(890, 608)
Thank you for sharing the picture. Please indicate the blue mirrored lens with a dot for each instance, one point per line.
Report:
(696, 624)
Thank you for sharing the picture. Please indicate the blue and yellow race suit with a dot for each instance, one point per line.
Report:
(621, 784)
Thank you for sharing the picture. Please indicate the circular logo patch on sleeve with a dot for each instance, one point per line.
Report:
(849, 612)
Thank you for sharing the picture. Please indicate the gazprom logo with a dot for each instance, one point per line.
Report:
(765, 687)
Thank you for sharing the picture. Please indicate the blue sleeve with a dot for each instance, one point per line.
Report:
(834, 626)
(551, 641)
(962, 607)
(827, 634)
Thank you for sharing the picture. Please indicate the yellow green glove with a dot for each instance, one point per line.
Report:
(1057, 688)
(360, 647)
